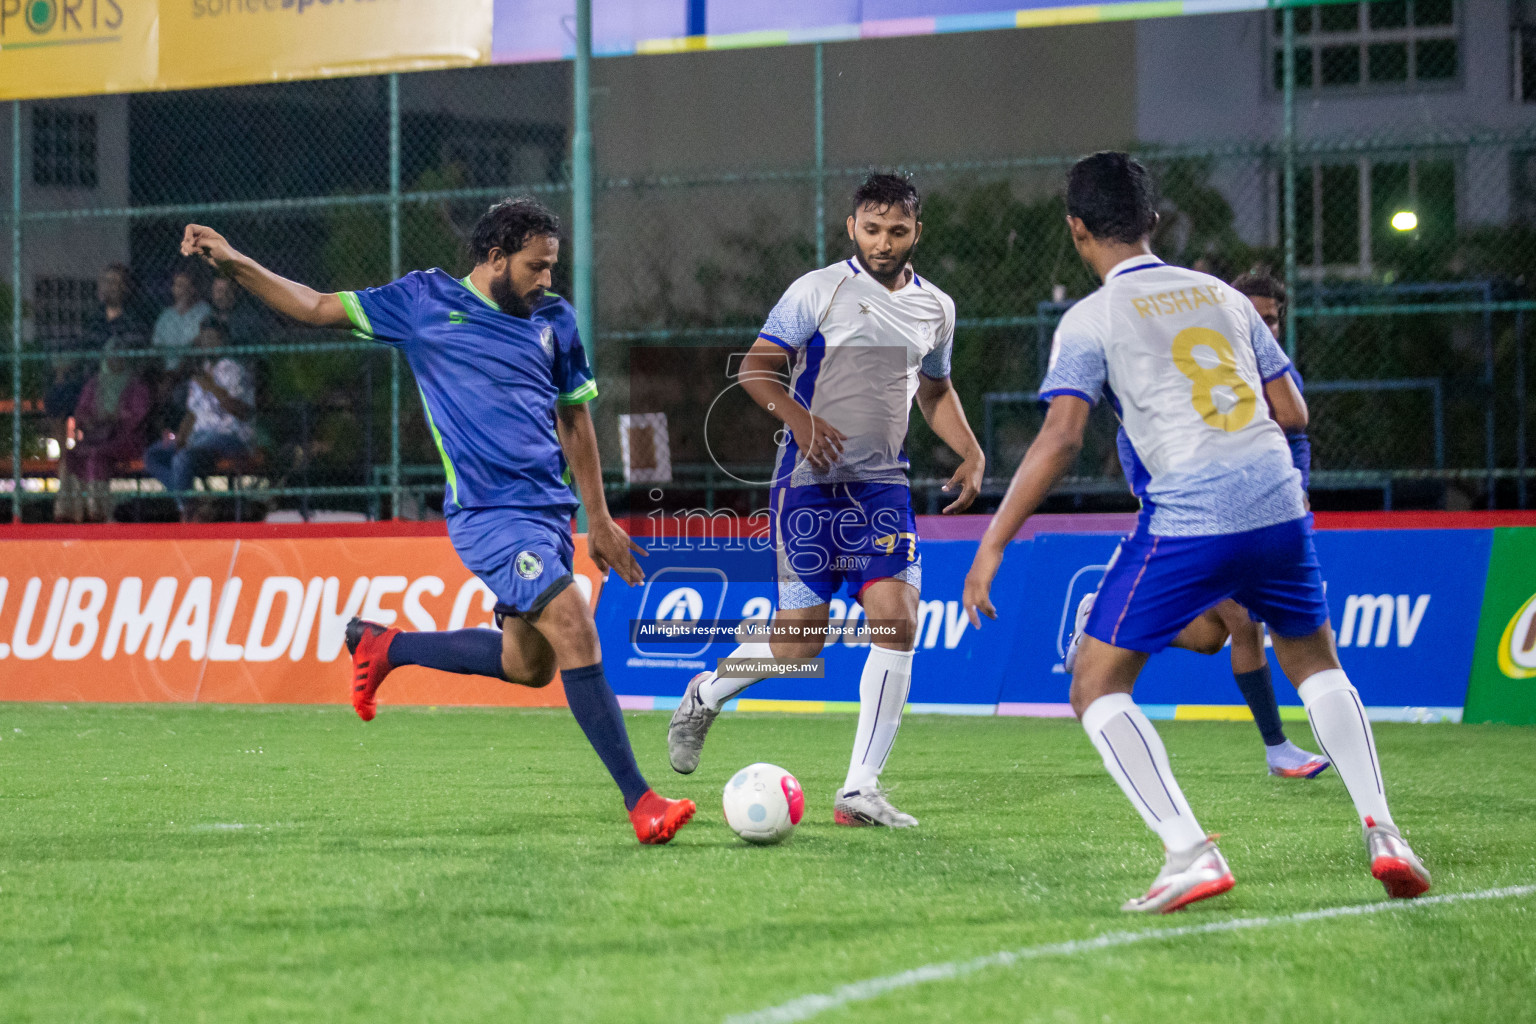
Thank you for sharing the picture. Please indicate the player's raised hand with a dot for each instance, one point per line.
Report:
(198, 240)
(967, 480)
(612, 548)
(826, 444)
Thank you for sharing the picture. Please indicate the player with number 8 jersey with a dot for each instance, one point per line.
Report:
(1183, 358)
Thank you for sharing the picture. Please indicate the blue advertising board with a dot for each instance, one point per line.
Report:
(956, 665)
(1404, 605)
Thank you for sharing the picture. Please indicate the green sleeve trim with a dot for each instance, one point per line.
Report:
(355, 313)
(585, 393)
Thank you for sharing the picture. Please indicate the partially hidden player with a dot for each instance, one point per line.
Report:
(504, 383)
(1211, 631)
(1182, 357)
(865, 337)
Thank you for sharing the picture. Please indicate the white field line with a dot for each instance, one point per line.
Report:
(808, 1006)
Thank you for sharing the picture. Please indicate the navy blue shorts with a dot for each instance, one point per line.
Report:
(522, 555)
(829, 535)
(1155, 586)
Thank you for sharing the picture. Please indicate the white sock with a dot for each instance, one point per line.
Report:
(883, 690)
(1135, 757)
(715, 691)
(1342, 730)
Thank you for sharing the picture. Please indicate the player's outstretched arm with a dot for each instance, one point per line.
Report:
(607, 543)
(761, 378)
(1049, 457)
(941, 407)
(301, 302)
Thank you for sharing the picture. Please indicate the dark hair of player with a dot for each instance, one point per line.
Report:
(883, 191)
(1261, 284)
(1114, 196)
(509, 225)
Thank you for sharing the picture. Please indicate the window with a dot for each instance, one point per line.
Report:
(1389, 43)
(1344, 211)
(63, 147)
(60, 306)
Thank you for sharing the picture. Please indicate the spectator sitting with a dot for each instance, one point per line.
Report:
(217, 424)
(245, 325)
(109, 430)
(114, 323)
(180, 322)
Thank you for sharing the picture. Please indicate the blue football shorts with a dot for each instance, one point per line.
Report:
(1155, 586)
(523, 555)
(826, 536)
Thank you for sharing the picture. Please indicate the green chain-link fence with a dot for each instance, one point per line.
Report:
(1412, 338)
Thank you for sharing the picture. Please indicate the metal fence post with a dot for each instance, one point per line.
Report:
(1288, 147)
(821, 161)
(16, 311)
(394, 274)
(1520, 413)
(581, 198)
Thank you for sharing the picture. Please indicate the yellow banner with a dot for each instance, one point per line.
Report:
(83, 47)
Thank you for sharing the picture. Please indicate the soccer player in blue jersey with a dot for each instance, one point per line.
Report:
(1183, 358)
(1230, 620)
(504, 384)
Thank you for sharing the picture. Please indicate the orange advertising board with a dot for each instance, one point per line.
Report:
(237, 620)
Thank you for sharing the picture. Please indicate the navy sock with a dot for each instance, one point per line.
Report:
(596, 710)
(1259, 692)
(467, 652)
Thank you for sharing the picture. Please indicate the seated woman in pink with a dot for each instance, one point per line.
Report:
(109, 430)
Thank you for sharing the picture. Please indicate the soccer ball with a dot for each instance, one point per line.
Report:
(763, 803)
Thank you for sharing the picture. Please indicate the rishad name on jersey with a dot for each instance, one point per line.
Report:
(1180, 300)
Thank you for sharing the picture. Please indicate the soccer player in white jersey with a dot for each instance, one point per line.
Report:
(865, 337)
(1182, 358)
(1230, 621)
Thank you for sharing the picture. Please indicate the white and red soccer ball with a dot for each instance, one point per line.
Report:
(763, 803)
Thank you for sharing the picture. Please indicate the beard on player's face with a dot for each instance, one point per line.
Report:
(505, 294)
(889, 254)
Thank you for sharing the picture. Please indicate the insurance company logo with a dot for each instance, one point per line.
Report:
(681, 605)
(1517, 646)
(59, 21)
(680, 594)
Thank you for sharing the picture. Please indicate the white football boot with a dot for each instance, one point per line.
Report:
(868, 806)
(690, 724)
(1194, 874)
(1083, 608)
(1288, 761)
(1393, 864)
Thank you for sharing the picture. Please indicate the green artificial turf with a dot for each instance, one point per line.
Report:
(271, 864)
